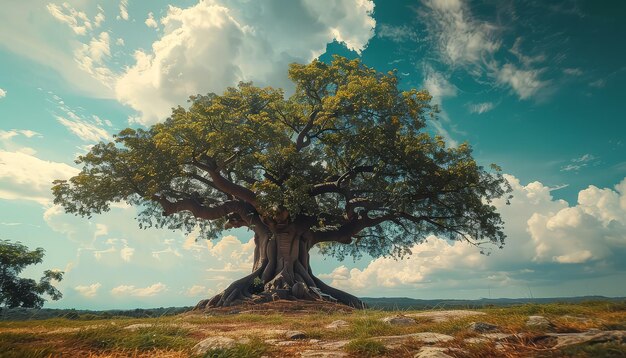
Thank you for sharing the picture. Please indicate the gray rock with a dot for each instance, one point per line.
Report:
(323, 354)
(337, 324)
(212, 343)
(424, 337)
(431, 337)
(539, 322)
(295, 335)
(483, 327)
(444, 316)
(591, 337)
(398, 320)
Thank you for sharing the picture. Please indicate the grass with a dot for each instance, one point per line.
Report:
(113, 337)
(174, 336)
(608, 350)
(366, 347)
(254, 349)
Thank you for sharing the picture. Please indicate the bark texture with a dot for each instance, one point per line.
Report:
(281, 270)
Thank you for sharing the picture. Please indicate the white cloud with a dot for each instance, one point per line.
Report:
(150, 22)
(397, 34)
(526, 83)
(578, 163)
(541, 231)
(91, 58)
(31, 31)
(591, 230)
(7, 140)
(481, 108)
(84, 130)
(26, 177)
(3, 93)
(123, 10)
(100, 18)
(130, 290)
(88, 291)
(229, 248)
(210, 46)
(127, 253)
(463, 41)
(120, 42)
(460, 39)
(198, 290)
(438, 86)
(573, 71)
(86, 127)
(76, 20)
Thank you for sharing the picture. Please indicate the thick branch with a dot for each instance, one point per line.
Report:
(201, 211)
(345, 233)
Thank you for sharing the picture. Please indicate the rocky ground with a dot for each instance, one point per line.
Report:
(285, 329)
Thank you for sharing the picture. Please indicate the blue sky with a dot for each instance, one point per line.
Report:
(537, 88)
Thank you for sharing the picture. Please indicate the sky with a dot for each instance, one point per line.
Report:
(536, 87)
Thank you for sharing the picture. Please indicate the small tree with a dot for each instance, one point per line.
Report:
(24, 292)
(343, 165)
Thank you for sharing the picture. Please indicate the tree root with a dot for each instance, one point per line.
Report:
(239, 293)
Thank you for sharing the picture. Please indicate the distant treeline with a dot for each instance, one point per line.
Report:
(25, 314)
(382, 303)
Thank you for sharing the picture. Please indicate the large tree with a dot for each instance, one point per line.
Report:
(16, 291)
(344, 164)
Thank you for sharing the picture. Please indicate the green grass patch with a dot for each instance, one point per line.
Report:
(366, 347)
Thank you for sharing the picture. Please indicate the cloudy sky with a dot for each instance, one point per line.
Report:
(536, 88)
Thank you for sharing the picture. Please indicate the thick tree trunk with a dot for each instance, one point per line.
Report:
(281, 270)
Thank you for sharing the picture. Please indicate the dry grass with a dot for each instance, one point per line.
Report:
(174, 336)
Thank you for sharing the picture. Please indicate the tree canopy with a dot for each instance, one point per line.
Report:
(23, 292)
(347, 159)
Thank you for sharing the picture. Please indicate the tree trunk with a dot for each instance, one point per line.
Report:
(281, 270)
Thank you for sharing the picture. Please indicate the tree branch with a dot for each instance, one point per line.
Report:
(202, 211)
(302, 136)
(223, 184)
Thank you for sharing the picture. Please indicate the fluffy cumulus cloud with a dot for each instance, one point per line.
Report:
(216, 44)
(151, 22)
(546, 238)
(88, 291)
(593, 230)
(3, 93)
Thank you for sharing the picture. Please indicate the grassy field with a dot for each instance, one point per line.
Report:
(258, 333)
